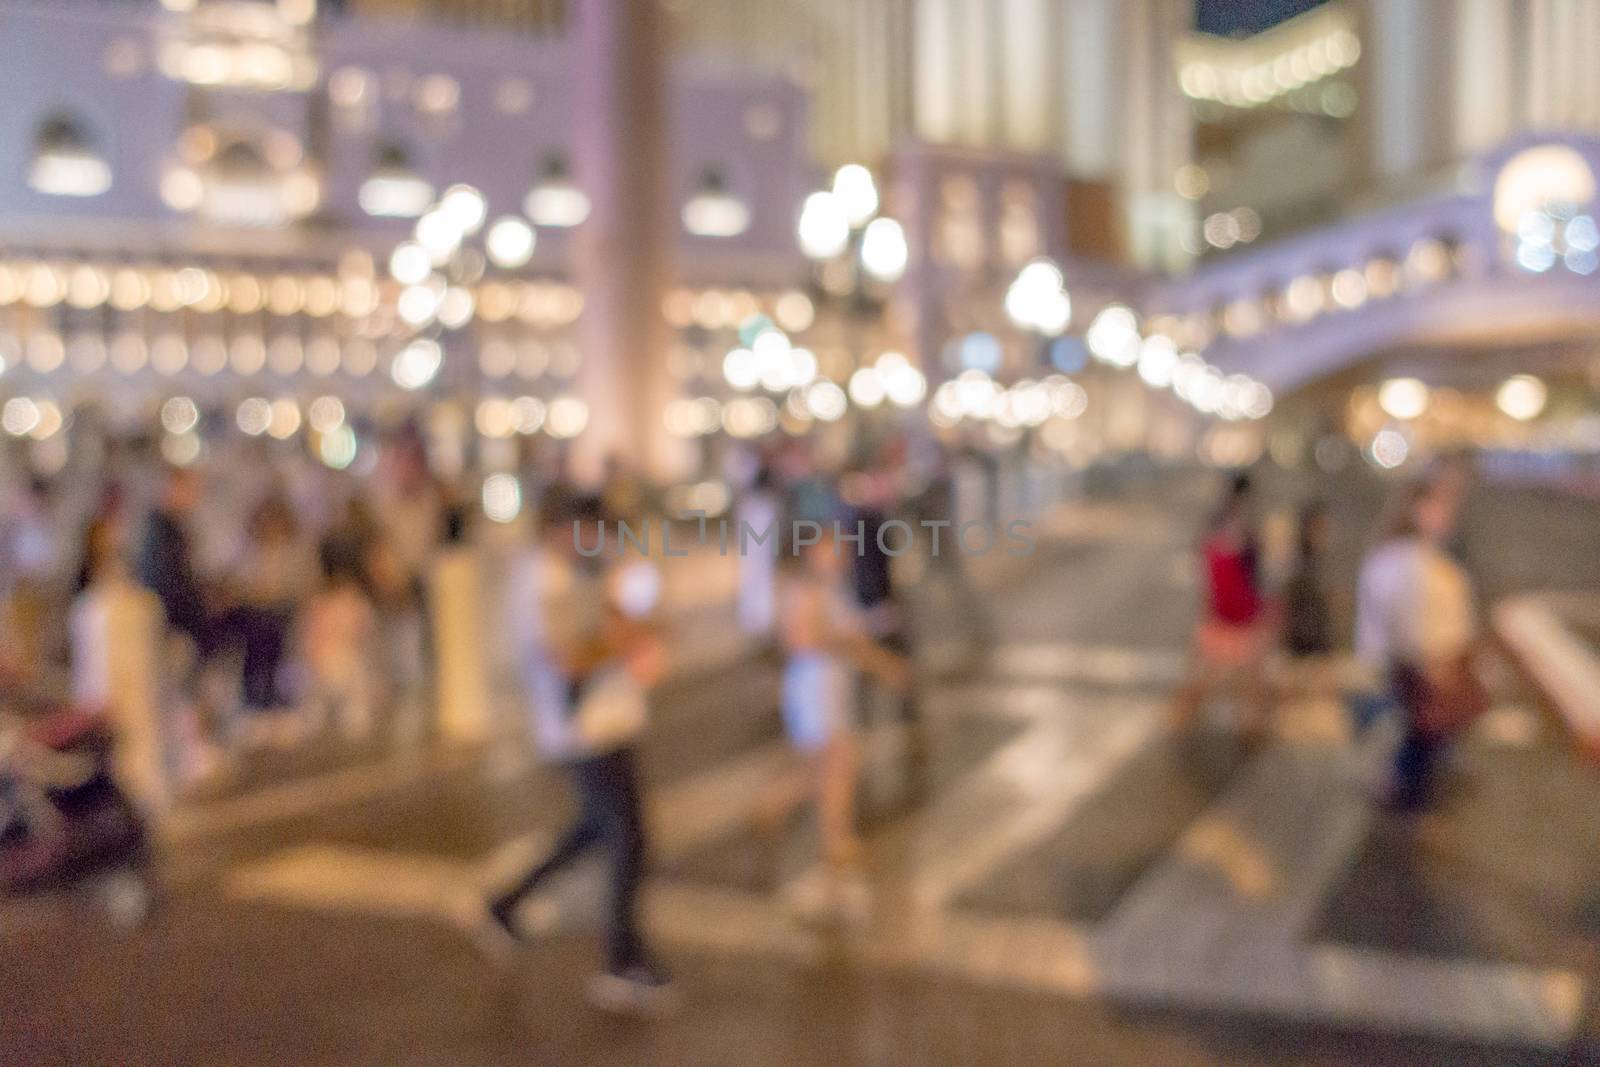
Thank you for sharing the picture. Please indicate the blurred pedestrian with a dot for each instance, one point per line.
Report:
(883, 609)
(104, 537)
(936, 503)
(275, 576)
(29, 567)
(337, 638)
(826, 644)
(411, 510)
(586, 655)
(346, 546)
(1234, 634)
(759, 511)
(1415, 627)
(400, 639)
(166, 566)
(101, 565)
(166, 560)
(1308, 622)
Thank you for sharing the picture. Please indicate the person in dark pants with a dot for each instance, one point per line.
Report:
(166, 562)
(945, 566)
(883, 608)
(1416, 628)
(585, 681)
(165, 566)
(277, 574)
(1307, 622)
(609, 815)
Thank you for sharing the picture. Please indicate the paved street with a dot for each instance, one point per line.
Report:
(1064, 882)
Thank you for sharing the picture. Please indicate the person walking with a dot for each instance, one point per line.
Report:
(825, 645)
(166, 563)
(758, 512)
(1233, 636)
(586, 657)
(1308, 622)
(883, 609)
(337, 641)
(1416, 631)
(166, 566)
(277, 573)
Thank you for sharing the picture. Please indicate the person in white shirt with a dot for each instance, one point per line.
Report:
(586, 657)
(759, 512)
(1416, 629)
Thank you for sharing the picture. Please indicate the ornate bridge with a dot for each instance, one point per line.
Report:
(1509, 256)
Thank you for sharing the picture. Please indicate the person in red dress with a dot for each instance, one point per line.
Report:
(1235, 631)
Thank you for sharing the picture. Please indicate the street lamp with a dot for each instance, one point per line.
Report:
(842, 225)
(856, 250)
(1037, 299)
(436, 268)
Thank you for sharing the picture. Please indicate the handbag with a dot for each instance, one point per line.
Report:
(1444, 705)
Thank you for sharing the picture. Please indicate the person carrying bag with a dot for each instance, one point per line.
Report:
(1416, 629)
(587, 684)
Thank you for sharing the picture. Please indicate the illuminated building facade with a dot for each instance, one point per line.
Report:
(208, 198)
(213, 191)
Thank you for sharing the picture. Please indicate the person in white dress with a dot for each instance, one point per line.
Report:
(825, 643)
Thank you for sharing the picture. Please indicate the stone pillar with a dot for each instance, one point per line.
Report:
(1027, 77)
(619, 118)
(1158, 130)
(116, 638)
(1483, 73)
(935, 63)
(1092, 97)
(461, 675)
(979, 79)
(1409, 45)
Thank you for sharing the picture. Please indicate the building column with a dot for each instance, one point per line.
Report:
(1484, 35)
(1092, 96)
(1158, 131)
(622, 248)
(1028, 105)
(1409, 46)
(977, 79)
(934, 113)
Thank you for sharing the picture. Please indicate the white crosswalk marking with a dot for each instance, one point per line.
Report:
(1223, 920)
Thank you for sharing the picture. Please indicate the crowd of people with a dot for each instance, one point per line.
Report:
(1416, 641)
(287, 608)
(314, 617)
(588, 651)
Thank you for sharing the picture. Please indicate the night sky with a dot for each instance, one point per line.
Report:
(1227, 18)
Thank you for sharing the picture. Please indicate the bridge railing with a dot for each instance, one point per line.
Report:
(1423, 263)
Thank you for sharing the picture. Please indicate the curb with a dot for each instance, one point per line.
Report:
(1561, 666)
